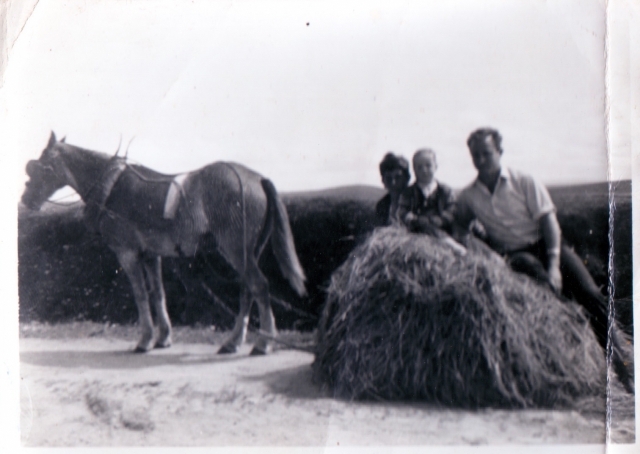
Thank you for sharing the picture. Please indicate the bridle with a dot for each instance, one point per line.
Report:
(103, 184)
(96, 196)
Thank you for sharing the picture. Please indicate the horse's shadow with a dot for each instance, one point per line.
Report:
(299, 382)
(120, 359)
(296, 382)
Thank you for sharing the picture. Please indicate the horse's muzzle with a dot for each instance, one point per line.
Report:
(31, 198)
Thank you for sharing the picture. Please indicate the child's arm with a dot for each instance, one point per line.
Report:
(447, 213)
(404, 214)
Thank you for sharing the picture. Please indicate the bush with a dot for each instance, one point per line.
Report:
(67, 273)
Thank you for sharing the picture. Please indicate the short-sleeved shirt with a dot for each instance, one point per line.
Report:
(511, 215)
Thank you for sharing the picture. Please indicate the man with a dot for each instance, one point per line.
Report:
(427, 206)
(519, 218)
(394, 171)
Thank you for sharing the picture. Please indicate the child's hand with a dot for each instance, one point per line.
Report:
(410, 217)
(435, 220)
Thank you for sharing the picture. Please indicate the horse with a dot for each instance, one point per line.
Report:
(223, 208)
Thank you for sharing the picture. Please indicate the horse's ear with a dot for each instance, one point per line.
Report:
(52, 140)
(63, 139)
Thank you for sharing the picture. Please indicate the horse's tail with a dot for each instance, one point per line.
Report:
(282, 239)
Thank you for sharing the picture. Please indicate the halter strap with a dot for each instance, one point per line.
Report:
(68, 176)
(97, 196)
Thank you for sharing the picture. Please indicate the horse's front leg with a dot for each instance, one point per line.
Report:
(239, 332)
(132, 264)
(153, 269)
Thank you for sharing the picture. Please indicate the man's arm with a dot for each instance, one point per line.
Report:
(462, 220)
(551, 234)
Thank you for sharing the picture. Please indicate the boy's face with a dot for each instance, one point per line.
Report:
(424, 166)
(394, 180)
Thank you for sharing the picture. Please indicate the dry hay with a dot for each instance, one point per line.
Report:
(407, 318)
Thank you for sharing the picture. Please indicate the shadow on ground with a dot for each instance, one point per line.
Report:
(118, 359)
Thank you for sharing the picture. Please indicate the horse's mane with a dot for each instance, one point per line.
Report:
(98, 155)
(143, 172)
(149, 174)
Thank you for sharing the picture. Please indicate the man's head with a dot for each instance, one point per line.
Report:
(395, 172)
(424, 166)
(485, 145)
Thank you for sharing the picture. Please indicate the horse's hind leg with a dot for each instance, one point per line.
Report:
(255, 288)
(153, 269)
(242, 322)
(259, 287)
(132, 264)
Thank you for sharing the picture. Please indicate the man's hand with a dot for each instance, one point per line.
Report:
(555, 276)
(409, 218)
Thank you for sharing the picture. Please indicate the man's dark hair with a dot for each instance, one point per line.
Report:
(391, 162)
(479, 135)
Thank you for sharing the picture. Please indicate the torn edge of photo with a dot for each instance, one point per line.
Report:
(429, 203)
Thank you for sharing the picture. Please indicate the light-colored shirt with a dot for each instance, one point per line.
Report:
(511, 215)
(428, 189)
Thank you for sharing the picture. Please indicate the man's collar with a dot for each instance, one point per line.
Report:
(505, 175)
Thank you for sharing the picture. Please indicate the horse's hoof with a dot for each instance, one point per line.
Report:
(227, 349)
(140, 349)
(255, 351)
(164, 344)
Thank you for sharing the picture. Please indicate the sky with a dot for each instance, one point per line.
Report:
(313, 94)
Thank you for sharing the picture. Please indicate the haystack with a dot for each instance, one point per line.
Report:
(408, 318)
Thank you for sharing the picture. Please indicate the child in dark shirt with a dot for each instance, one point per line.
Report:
(427, 206)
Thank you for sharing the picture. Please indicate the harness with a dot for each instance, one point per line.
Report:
(244, 219)
(176, 190)
(98, 194)
(96, 197)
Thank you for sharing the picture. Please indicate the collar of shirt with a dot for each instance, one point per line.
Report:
(429, 189)
(504, 176)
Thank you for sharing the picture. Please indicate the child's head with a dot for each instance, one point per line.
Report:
(395, 172)
(424, 166)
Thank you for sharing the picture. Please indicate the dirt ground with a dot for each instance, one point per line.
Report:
(82, 386)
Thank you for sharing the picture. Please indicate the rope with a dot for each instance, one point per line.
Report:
(290, 308)
(258, 332)
(310, 348)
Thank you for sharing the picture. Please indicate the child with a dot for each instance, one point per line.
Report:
(427, 206)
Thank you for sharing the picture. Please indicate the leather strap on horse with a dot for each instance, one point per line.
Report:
(98, 195)
(244, 219)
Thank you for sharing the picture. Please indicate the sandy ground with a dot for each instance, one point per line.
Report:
(82, 386)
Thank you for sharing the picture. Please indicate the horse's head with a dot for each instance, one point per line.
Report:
(46, 175)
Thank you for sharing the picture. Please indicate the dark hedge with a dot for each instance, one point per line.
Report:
(67, 273)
